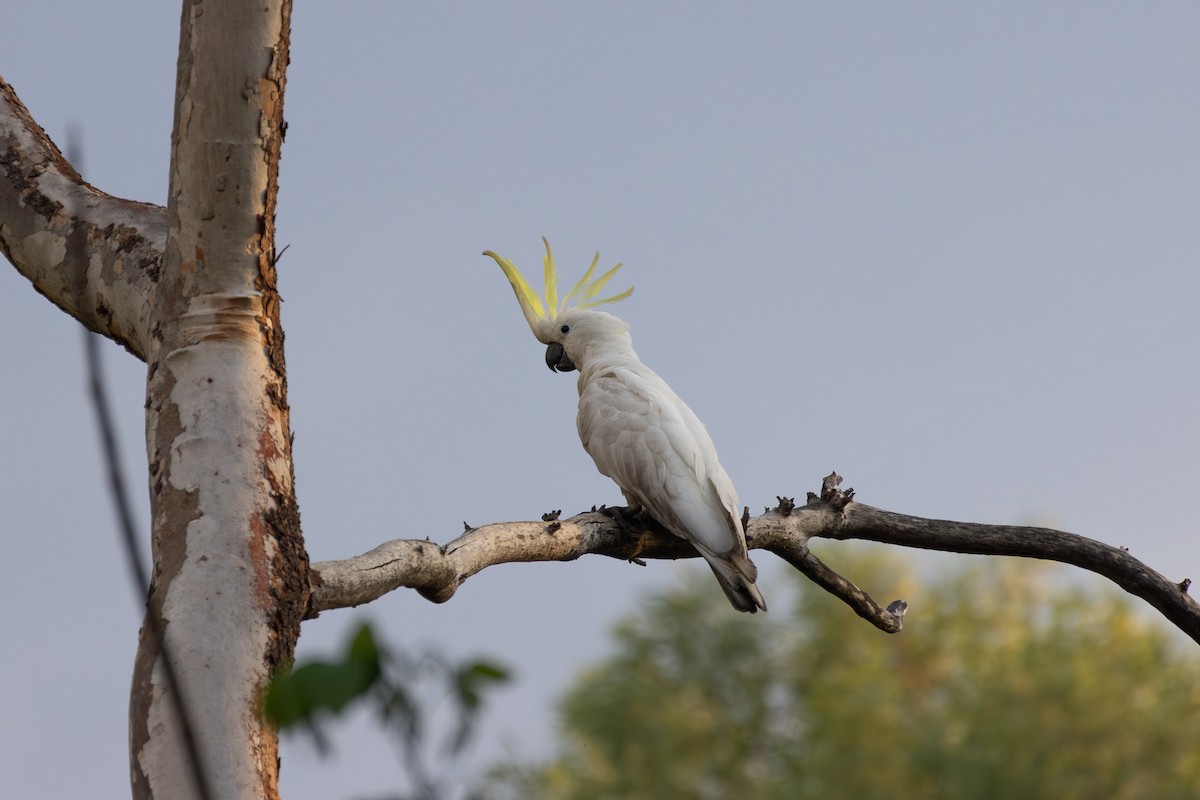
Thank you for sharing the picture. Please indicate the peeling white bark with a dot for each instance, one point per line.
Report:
(229, 568)
(216, 610)
(95, 256)
(199, 303)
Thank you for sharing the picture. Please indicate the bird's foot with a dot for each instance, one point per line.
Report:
(622, 516)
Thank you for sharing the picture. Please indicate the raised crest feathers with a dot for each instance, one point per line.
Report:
(544, 309)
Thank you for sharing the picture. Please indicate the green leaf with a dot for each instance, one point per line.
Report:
(324, 686)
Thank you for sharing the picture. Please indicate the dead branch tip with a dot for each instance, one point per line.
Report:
(832, 495)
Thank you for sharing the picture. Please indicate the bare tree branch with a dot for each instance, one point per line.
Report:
(437, 571)
(1169, 597)
(95, 256)
(888, 620)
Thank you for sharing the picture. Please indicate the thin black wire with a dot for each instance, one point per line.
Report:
(128, 531)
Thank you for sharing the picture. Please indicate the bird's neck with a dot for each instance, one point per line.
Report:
(600, 356)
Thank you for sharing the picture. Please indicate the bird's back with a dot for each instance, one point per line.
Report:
(644, 437)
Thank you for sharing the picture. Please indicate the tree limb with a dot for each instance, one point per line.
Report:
(1169, 597)
(436, 572)
(95, 256)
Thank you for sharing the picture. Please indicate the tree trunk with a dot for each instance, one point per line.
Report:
(230, 573)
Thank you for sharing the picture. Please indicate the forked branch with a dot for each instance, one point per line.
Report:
(95, 256)
(437, 571)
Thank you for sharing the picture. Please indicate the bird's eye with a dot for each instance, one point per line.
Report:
(565, 329)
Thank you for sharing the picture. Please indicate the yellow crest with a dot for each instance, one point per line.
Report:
(542, 311)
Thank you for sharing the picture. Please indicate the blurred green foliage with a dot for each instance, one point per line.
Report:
(1011, 679)
(301, 697)
(403, 689)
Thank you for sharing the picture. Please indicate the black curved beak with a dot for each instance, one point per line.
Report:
(556, 358)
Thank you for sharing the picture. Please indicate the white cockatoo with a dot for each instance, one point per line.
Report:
(636, 429)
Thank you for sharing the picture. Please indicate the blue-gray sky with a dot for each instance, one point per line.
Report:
(950, 251)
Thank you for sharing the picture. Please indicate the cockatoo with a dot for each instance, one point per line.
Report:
(638, 431)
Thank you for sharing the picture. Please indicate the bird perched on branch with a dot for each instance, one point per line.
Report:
(636, 429)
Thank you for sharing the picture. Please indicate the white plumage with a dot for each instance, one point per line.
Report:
(644, 437)
(639, 432)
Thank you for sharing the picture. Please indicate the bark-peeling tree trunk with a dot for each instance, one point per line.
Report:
(230, 572)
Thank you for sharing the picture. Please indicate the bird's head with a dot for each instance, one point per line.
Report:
(566, 329)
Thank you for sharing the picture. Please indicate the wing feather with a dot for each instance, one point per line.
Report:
(649, 442)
